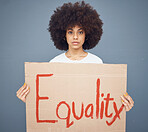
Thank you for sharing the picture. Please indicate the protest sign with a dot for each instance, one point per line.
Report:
(75, 97)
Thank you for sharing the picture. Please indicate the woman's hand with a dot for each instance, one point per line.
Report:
(23, 92)
(127, 101)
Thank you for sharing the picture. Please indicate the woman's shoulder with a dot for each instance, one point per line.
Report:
(94, 57)
(58, 58)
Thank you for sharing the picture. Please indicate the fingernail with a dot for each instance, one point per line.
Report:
(122, 100)
(125, 94)
(28, 88)
(24, 84)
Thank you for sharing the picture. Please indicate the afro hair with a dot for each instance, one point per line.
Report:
(70, 15)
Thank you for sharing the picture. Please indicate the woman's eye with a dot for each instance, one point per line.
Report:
(81, 32)
(70, 32)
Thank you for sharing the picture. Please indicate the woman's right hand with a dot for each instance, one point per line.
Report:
(23, 92)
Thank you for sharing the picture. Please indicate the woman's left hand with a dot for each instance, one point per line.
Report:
(127, 101)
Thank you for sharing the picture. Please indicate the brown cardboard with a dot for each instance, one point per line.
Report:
(74, 97)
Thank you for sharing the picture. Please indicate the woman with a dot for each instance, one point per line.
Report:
(75, 28)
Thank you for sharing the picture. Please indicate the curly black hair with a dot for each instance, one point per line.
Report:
(70, 15)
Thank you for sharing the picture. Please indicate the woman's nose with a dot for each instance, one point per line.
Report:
(75, 36)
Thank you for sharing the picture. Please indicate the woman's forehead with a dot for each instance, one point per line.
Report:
(75, 27)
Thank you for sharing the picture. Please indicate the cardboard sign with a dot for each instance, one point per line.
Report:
(75, 97)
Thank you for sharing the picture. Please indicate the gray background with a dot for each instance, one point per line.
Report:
(23, 37)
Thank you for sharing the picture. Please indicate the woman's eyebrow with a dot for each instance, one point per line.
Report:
(80, 29)
(72, 29)
(69, 29)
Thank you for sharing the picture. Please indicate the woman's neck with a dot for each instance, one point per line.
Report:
(76, 54)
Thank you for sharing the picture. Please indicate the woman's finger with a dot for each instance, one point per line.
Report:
(126, 106)
(126, 103)
(21, 89)
(24, 95)
(129, 99)
(22, 92)
(26, 90)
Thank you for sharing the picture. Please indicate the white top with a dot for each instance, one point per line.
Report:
(90, 58)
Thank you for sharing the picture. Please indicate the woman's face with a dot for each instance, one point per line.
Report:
(75, 37)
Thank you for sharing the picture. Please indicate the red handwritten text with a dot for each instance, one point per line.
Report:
(100, 111)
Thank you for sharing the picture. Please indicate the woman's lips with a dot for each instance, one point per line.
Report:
(75, 43)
